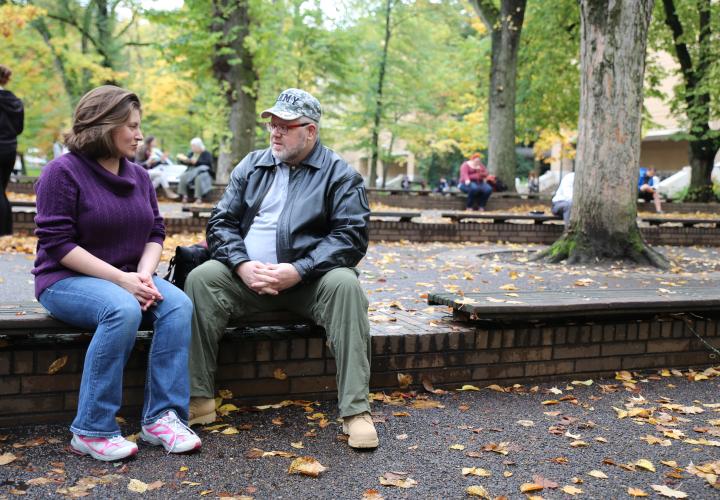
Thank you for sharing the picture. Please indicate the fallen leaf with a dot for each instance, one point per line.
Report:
(668, 492)
(526, 423)
(598, 474)
(401, 437)
(372, 494)
(507, 473)
(496, 388)
(137, 486)
(307, 466)
(636, 492)
(397, 479)
(571, 490)
(427, 384)
(475, 471)
(404, 380)
(457, 447)
(230, 431)
(469, 388)
(645, 464)
(57, 365)
(297, 445)
(6, 458)
(279, 374)
(155, 485)
(545, 483)
(225, 394)
(582, 382)
(530, 487)
(478, 491)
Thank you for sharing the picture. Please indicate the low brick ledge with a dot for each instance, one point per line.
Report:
(451, 355)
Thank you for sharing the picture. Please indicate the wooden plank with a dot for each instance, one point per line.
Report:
(402, 216)
(656, 221)
(555, 304)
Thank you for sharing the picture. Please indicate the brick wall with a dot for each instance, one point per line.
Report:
(479, 355)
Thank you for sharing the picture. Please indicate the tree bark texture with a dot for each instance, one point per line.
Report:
(375, 134)
(695, 76)
(505, 27)
(233, 67)
(603, 218)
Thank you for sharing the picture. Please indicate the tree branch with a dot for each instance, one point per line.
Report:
(488, 13)
(73, 22)
(673, 22)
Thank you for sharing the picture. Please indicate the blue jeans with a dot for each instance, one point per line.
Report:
(478, 193)
(115, 315)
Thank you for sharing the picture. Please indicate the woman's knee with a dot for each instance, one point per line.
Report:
(125, 312)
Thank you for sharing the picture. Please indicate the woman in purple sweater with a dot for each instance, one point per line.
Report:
(100, 237)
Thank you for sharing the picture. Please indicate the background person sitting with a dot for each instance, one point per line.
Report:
(154, 161)
(199, 173)
(647, 187)
(472, 182)
(562, 201)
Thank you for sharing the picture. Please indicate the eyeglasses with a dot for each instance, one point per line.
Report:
(284, 129)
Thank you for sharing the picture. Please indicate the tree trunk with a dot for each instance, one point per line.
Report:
(375, 136)
(505, 27)
(603, 221)
(234, 69)
(697, 82)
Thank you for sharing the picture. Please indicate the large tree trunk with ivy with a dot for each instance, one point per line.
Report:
(234, 69)
(505, 27)
(603, 221)
(695, 91)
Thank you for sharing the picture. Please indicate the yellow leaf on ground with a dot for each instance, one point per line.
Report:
(668, 492)
(211, 428)
(297, 445)
(478, 491)
(137, 486)
(582, 382)
(457, 447)
(549, 402)
(6, 458)
(230, 431)
(469, 388)
(57, 365)
(598, 474)
(279, 374)
(530, 487)
(526, 423)
(571, 490)
(636, 492)
(475, 471)
(509, 287)
(579, 444)
(307, 466)
(643, 463)
(496, 388)
(507, 473)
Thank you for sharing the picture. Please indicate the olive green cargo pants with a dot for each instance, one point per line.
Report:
(335, 301)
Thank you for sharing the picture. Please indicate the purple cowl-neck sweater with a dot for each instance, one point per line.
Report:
(79, 203)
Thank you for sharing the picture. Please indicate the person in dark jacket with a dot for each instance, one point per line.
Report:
(12, 117)
(287, 235)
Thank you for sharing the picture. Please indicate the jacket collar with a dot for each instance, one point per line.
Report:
(313, 159)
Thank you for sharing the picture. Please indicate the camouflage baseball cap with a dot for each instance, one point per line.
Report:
(294, 103)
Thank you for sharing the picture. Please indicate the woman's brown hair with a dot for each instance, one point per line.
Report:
(98, 113)
(5, 74)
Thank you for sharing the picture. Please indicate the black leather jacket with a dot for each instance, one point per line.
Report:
(323, 226)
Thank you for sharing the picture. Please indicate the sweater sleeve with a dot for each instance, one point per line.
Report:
(157, 233)
(56, 219)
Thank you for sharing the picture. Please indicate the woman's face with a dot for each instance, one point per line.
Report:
(196, 149)
(127, 137)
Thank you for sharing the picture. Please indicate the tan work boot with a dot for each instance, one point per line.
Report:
(361, 431)
(202, 411)
(170, 194)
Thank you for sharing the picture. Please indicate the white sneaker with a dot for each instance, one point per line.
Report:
(102, 448)
(171, 433)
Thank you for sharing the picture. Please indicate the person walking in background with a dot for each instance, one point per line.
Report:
(473, 175)
(562, 201)
(12, 118)
(199, 172)
(648, 187)
(287, 235)
(100, 237)
(154, 161)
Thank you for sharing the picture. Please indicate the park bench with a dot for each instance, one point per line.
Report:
(198, 210)
(499, 218)
(22, 203)
(657, 221)
(33, 321)
(584, 304)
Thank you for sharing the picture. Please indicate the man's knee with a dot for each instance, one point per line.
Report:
(208, 274)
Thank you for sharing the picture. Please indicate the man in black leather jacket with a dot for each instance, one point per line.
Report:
(286, 235)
